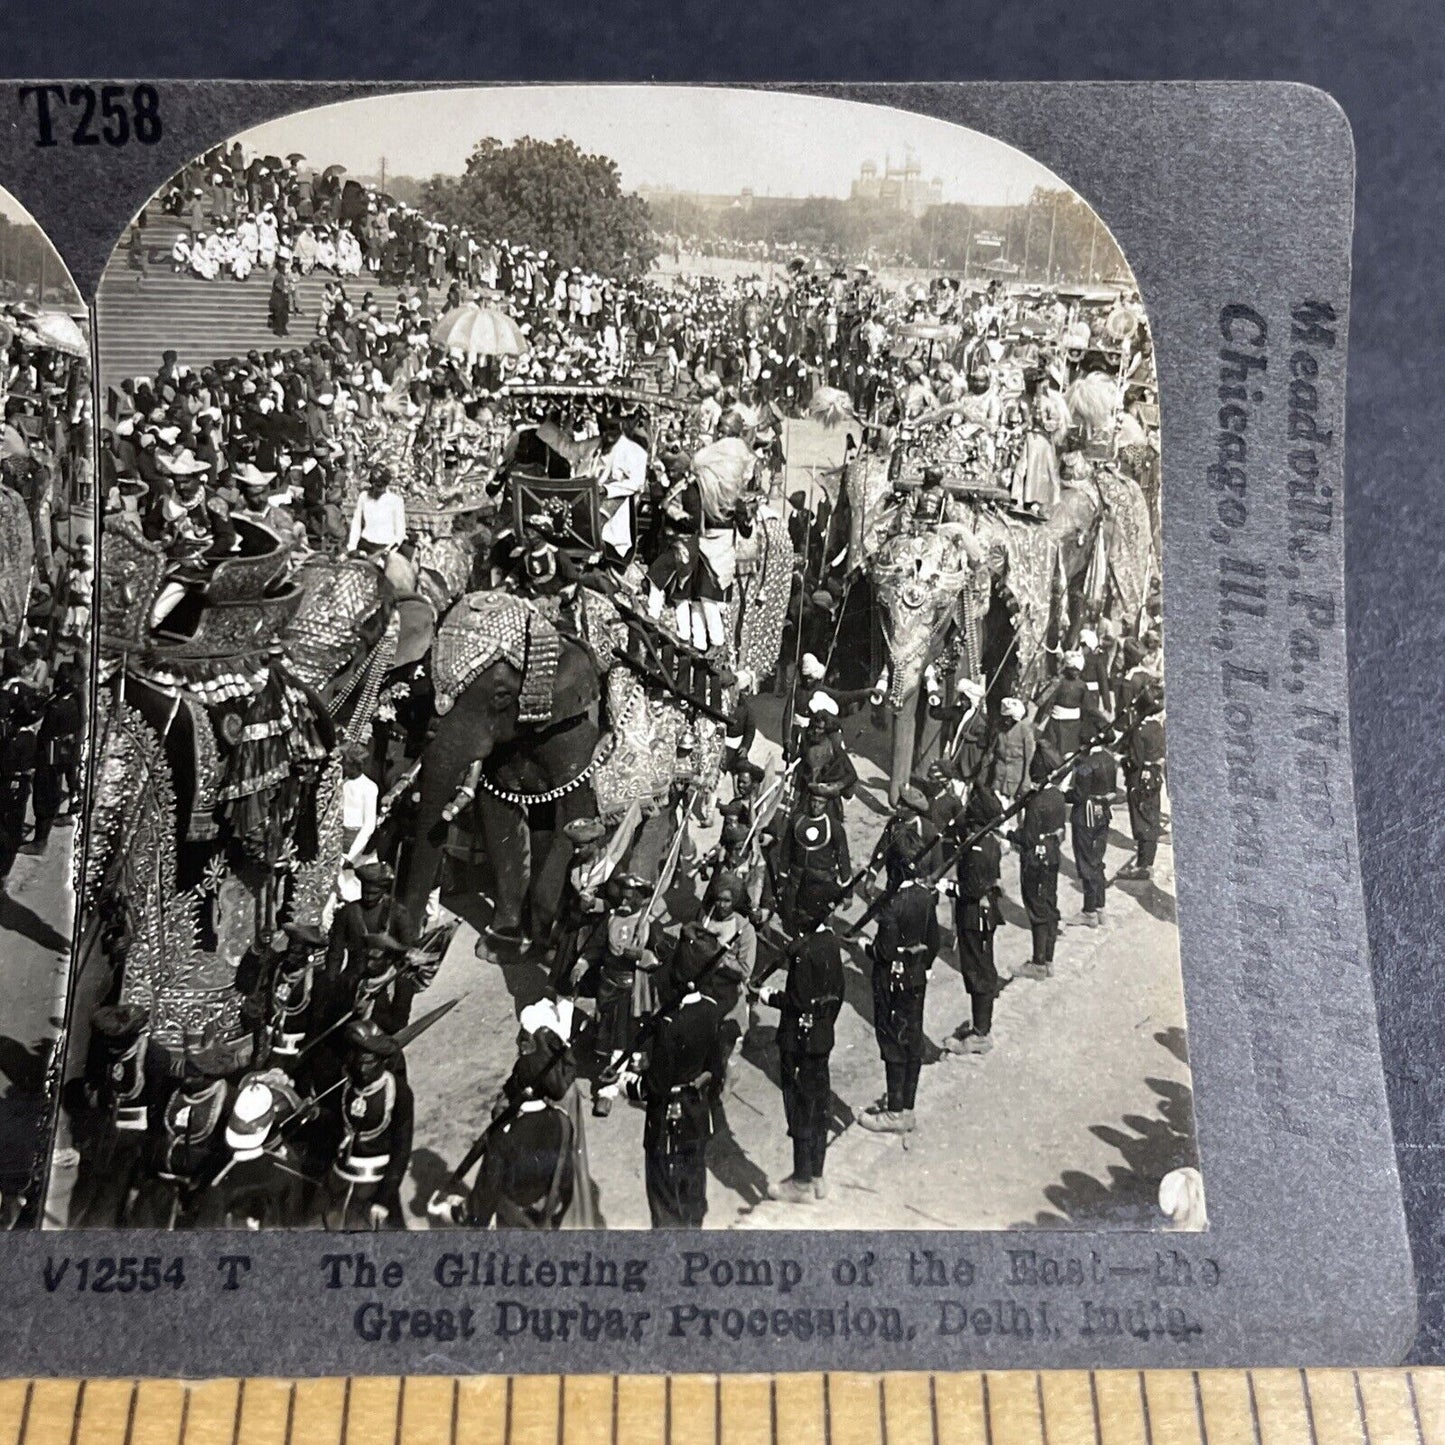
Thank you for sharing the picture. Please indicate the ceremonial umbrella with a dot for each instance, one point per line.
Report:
(331, 172)
(470, 331)
(58, 331)
(295, 156)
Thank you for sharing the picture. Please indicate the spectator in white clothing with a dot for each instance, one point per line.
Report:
(358, 805)
(379, 522)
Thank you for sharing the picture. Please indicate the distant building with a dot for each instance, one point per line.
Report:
(899, 187)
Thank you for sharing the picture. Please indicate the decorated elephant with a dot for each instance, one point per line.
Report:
(517, 702)
(986, 590)
(222, 743)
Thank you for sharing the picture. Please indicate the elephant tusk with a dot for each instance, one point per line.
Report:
(462, 799)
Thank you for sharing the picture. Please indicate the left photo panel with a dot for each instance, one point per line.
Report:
(47, 570)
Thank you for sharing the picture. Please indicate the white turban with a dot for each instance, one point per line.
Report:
(1089, 638)
(813, 670)
(821, 702)
(1013, 707)
(972, 690)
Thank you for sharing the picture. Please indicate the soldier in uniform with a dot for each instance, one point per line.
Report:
(368, 912)
(1144, 772)
(908, 835)
(527, 1151)
(1038, 838)
(187, 1139)
(389, 983)
(684, 1052)
(294, 1008)
(119, 1093)
(824, 767)
(904, 949)
(262, 1184)
(808, 1004)
(1091, 794)
(1136, 675)
(1095, 673)
(812, 858)
(364, 1188)
(581, 911)
(616, 955)
(1062, 709)
(976, 889)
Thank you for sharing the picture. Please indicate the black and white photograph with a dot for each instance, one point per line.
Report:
(629, 687)
(47, 579)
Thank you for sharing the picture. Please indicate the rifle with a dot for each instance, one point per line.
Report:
(962, 845)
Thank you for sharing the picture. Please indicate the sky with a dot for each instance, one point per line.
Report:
(695, 139)
(12, 210)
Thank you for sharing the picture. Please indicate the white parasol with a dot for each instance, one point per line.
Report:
(471, 331)
(58, 331)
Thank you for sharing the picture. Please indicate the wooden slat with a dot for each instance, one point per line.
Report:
(1428, 1387)
(1334, 1407)
(641, 1410)
(855, 1410)
(482, 1410)
(1386, 1408)
(959, 1410)
(587, 1410)
(1222, 1403)
(907, 1411)
(1279, 1398)
(428, 1406)
(692, 1410)
(1118, 1401)
(536, 1410)
(1066, 1407)
(745, 1405)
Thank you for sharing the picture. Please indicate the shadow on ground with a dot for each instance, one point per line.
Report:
(1148, 1147)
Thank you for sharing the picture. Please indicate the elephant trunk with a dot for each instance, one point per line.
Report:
(905, 739)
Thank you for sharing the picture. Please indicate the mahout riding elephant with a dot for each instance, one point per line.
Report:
(517, 700)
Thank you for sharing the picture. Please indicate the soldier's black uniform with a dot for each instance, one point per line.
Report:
(975, 920)
(120, 1092)
(808, 1004)
(527, 1152)
(1061, 718)
(1096, 780)
(353, 920)
(1039, 837)
(909, 834)
(1144, 775)
(685, 1057)
(377, 1114)
(904, 949)
(187, 1149)
(812, 859)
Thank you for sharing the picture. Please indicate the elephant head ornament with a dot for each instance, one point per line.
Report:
(918, 578)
